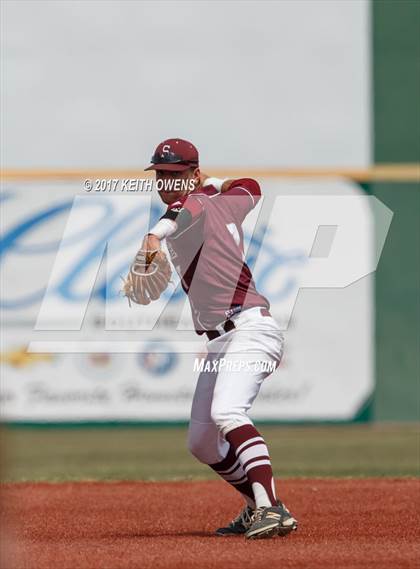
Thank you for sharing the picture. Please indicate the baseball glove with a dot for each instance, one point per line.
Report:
(148, 277)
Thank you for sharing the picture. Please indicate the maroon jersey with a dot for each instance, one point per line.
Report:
(208, 254)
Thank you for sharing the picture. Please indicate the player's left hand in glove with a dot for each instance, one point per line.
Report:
(148, 277)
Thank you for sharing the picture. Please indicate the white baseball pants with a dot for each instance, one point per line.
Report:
(243, 358)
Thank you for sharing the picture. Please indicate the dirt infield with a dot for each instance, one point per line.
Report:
(90, 525)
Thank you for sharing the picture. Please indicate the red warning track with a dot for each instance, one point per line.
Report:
(91, 525)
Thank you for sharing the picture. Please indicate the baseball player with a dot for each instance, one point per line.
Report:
(203, 230)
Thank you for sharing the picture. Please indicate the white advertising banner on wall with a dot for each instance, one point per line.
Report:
(327, 369)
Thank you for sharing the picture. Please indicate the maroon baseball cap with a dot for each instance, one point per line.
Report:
(174, 155)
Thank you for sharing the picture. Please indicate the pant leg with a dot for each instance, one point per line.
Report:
(253, 353)
(205, 441)
(250, 357)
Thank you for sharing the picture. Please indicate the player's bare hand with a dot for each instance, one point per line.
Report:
(150, 244)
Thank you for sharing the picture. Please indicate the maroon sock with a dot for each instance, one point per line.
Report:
(230, 469)
(252, 452)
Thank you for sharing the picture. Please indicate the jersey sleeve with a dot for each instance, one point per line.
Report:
(241, 197)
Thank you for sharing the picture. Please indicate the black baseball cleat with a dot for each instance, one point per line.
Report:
(288, 522)
(270, 522)
(239, 525)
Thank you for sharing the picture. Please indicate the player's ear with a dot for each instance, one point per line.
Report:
(197, 177)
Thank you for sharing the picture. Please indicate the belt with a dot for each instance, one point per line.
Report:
(229, 325)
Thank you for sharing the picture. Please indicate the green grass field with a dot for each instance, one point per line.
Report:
(139, 453)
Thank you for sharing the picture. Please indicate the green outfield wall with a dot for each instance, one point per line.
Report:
(396, 75)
